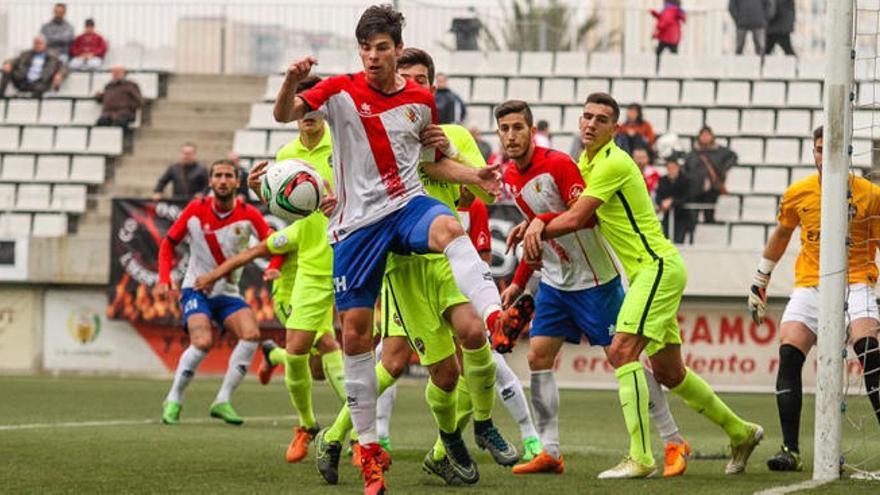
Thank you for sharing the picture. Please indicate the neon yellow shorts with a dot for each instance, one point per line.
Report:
(310, 306)
(650, 307)
(415, 296)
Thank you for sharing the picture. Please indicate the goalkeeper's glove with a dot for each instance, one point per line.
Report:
(758, 290)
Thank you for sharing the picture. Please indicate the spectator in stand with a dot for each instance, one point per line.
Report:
(668, 29)
(188, 178)
(635, 132)
(120, 100)
(59, 33)
(88, 49)
(242, 191)
(673, 194)
(34, 71)
(706, 168)
(780, 27)
(543, 137)
(751, 15)
(642, 157)
(485, 148)
(450, 107)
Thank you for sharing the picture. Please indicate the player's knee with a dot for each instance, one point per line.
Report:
(201, 340)
(393, 364)
(540, 359)
(327, 344)
(669, 377)
(316, 367)
(444, 230)
(473, 335)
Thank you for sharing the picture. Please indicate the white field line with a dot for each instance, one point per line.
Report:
(126, 422)
(796, 487)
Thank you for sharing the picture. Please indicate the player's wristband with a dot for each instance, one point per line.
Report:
(766, 266)
(452, 152)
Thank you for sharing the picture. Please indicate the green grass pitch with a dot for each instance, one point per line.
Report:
(46, 448)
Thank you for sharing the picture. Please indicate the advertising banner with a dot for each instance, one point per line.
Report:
(17, 327)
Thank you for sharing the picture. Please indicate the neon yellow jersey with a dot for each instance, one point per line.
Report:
(626, 216)
(446, 192)
(307, 237)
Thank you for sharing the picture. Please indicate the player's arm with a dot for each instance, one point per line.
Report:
(552, 225)
(449, 170)
(465, 151)
(288, 106)
(175, 235)
(205, 282)
(521, 278)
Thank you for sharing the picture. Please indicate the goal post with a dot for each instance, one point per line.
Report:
(838, 95)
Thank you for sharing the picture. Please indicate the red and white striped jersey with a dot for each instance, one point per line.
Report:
(550, 183)
(213, 237)
(376, 147)
(475, 220)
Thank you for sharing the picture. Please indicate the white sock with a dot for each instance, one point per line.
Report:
(383, 411)
(511, 391)
(545, 399)
(361, 387)
(661, 416)
(473, 277)
(239, 362)
(186, 368)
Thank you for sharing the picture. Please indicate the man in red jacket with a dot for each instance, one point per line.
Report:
(668, 30)
(88, 49)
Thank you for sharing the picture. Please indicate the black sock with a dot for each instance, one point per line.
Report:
(789, 394)
(868, 352)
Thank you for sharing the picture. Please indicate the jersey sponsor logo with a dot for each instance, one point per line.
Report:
(279, 241)
(419, 345)
(411, 115)
(396, 318)
(366, 110)
(191, 305)
(340, 284)
(537, 186)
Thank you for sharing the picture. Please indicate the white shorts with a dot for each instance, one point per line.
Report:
(803, 306)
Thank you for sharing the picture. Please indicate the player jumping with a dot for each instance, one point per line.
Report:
(616, 194)
(800, 322)
(218, 227)
(376, 118)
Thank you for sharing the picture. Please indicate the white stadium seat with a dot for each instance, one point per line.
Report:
(707, 234)
(739, 180)
(698, 93)
(558, 90)
(800, 173)
(277, 140)
(461, 86)
(770, 180)
(468, 63)
(250, 143)
(685, 121)
(501, 63)
(627, 91)
(782, 151)
(750, 150)
(862, 153)
(86, 112)
(22, 111)
(7, 196)
(539, 64)
(573, 64)
(52, 168)
(32, 197)
(805, 94)
(747, 236)
(563, 142)
(733, 93)
(55, 112)
(99, 81)
(9, 138)
(263, 117)
(769, 94)
(488, 90)
(552, 114)
(758, 122)
(69, 198)
(865, 123)
(273, 85)
(87, 169)
(105, 141)
(779, 67)
(72, 139)
(708, 67)
(662, 92)
(526, 89)
(480, 116)
(676, 66)
(727, 208)
(587, 86)
(723, 121)
(158, 59)
(15, 225)
(75, 85)
(812, 68)
(37, 138)
(759, 209)
(639, 65)
(742, 67)
(658, 117)
(869, 94)
(571, 118)
(807, 152)
(793, 123)
(18, 168)
(602, 65)
(333, 61)
(129, 55)
(148, 82)
(49, 225)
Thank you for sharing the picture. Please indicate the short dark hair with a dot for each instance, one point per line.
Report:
(819, 133)
(61, 4)
(417, 56)
(90, 23)
(307, 83)
(608, 101)
(189, 144)
(514, 106)
(223, 161)
(543, 125)
(380, 19)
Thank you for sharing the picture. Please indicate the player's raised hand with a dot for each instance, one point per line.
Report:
(489, 179)
(255, 179)
(515, 236)
(300, 69)
(510, 294)
(532, 240)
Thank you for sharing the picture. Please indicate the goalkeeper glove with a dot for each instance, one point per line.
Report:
(758, 290)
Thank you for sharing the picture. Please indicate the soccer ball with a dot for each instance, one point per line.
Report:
(292, 190)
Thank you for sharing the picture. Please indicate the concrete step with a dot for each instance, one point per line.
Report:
(216, 93)
(207, 151)
(184, 124)
(205, 108)
(245, 79)
(166, 135)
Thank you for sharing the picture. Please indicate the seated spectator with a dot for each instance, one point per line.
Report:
(642, 157)
(242, 191)
(88, 49)
(542, 137)
(120, 100)
(706, 168)
(59, 33)
(635, 131)
(450, 107)
(672, 196)
(34, 71)
(485, 148)
(188, 178)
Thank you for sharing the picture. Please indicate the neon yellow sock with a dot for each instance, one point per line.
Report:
(442, 404)
(298, 378)
(334, 372)
(701, 398)
(479, 373)
(463, 411)
(633, 392)
(278, 356)
(343, 425)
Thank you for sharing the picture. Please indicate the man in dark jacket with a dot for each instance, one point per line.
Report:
(34, 71)
(673, 194)
(781, 26)
(188, 178)
(58, 32)
(120, 100)
(450, 107)
(751, 15)
(706, 168)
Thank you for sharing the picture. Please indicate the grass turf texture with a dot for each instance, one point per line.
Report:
(205, 456)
